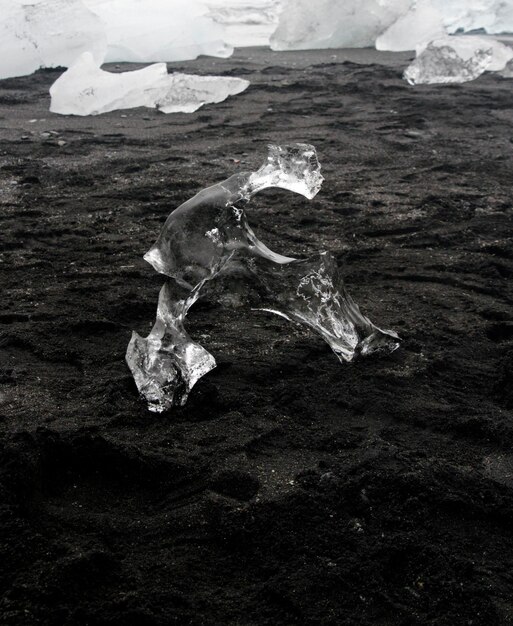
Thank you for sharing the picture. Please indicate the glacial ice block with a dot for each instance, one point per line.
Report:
(145, 31)
(390, 24)
(457, 59)
(47, 33)
(493, 16)
(246, 22)
(207, 247)
(421, 23)
(86, 89)
(304, 24)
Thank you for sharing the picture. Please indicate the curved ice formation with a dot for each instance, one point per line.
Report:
(207, 247)
(86, 89)
(144, 31)
(47, 33)
(457, 59)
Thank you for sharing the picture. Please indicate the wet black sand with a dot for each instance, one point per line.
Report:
(290, 489)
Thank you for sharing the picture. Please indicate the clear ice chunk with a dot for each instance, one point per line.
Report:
(86, 89)
(457, 59)
(312, 292)
(168, 363)
(47, 33)
(207, 247)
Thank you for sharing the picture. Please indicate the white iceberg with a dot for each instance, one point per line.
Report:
(388, 24)
(143, 31)
(457, 59)
(422, 23)
(246, 22)
(86, 89)
(494, 16)
(47, 33)
(304, 24)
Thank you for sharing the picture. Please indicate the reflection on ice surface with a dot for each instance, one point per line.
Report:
(85, 89)
(208, 248)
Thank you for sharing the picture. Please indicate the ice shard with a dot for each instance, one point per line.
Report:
(207, 248)
(47, 33)
(145, 31)
(457, 59)
(168, 363)
(86, 89)
(312, 292)
(422, 23)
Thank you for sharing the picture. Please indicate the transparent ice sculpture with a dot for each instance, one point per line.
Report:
(205, 244)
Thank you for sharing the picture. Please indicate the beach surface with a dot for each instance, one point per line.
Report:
(291, 489)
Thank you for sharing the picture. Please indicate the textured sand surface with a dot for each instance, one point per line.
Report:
(290, 489)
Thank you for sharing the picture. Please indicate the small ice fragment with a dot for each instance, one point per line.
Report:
(186, 93)
(422, 23)
(167, 364)
(207, 247)
(295, 168)
(312, 292)
(47, 33)
(85, 89)
(457, 59)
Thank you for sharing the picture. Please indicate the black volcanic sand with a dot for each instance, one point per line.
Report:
(290, 489)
